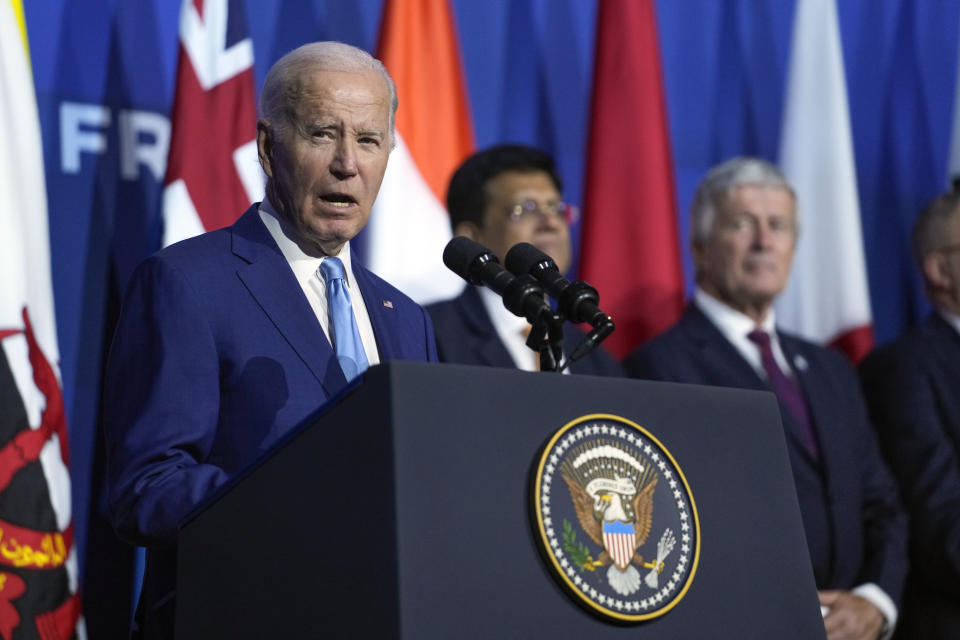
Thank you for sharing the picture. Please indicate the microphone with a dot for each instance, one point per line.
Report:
(522, 296)
(578, 300)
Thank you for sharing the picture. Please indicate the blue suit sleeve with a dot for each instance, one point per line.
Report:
(161, 403)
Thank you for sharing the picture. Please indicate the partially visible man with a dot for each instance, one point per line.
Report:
(913, 391)
(500, 197)
(744, 231)
(229, 340)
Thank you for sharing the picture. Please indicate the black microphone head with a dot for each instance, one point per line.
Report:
(523, 257)
(461, 253)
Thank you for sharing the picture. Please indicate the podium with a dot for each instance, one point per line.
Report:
(403, 511)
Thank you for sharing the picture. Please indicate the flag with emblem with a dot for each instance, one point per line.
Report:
(213, 173)
(38, 563)
(409, 225)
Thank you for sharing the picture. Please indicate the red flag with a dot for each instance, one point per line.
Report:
(630, 250)
(420, 48)
(213, 173)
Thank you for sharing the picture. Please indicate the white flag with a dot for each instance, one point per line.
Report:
(827, 299)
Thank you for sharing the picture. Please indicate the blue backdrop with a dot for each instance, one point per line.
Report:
(105, 74)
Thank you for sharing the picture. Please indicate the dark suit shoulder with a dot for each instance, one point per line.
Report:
(670, 357)
(444, 314)
(915, 349)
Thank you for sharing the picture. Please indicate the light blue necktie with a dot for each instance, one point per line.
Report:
(346, 334)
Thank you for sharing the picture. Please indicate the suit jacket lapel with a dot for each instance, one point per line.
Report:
(382, 317)
(810, 386)
(718, 355)
(269, 279)
(731, 369)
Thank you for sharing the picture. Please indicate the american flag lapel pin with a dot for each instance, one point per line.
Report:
(387, 304)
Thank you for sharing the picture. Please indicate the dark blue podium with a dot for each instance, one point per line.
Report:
(403, 511)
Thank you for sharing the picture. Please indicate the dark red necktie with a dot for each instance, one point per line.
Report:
(786, 390)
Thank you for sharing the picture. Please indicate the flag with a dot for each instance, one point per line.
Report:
(213, 173)
(630, 249)
(826, 299)
(409, 225)
(38, 563)
(953, 168)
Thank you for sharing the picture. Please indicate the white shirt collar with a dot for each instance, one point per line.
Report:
(729, 320)
(305, 262)
(735, 326)
(303, 259)
(510, 329)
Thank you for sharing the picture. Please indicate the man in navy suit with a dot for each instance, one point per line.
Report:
(913, 391)
(744, 230)
(499, 197)
(225, 341)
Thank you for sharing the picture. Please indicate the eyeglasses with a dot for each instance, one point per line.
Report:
(950, 248)
(527, 210)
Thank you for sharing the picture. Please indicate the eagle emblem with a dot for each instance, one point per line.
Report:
(615, 511)
(619, 485)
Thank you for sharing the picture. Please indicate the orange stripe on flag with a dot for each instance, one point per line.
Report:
(409, 225)
(420, 48)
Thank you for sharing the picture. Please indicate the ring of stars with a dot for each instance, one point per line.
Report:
(641, 603)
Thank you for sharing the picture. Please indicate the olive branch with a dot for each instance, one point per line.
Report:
(579, 553)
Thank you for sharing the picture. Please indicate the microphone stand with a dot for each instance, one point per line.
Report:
(597, 335)
(546, 338)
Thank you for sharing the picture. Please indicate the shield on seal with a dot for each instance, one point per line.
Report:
(620, 541)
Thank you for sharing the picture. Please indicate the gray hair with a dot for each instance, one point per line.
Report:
(281, 89)
(720, 181)
(930, 227)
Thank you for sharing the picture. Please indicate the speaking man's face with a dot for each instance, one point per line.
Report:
(746, 260)
(525, 207)
(327, 163)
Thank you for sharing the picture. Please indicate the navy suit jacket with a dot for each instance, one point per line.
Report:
(217, 356)
(913, 391)
(855, 530)
(465, 335)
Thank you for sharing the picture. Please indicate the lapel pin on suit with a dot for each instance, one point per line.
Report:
(800, 363)
(387, 304)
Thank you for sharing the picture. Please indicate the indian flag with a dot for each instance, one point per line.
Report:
(409, 225)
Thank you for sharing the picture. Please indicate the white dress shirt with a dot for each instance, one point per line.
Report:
(305, 263)
(512, 331)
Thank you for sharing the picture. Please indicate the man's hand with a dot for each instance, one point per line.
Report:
(850, 617)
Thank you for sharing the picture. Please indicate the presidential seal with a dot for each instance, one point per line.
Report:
(616, 519)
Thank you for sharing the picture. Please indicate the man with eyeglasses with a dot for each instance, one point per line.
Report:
(499, 197)
(743, 234)
(913, 391)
